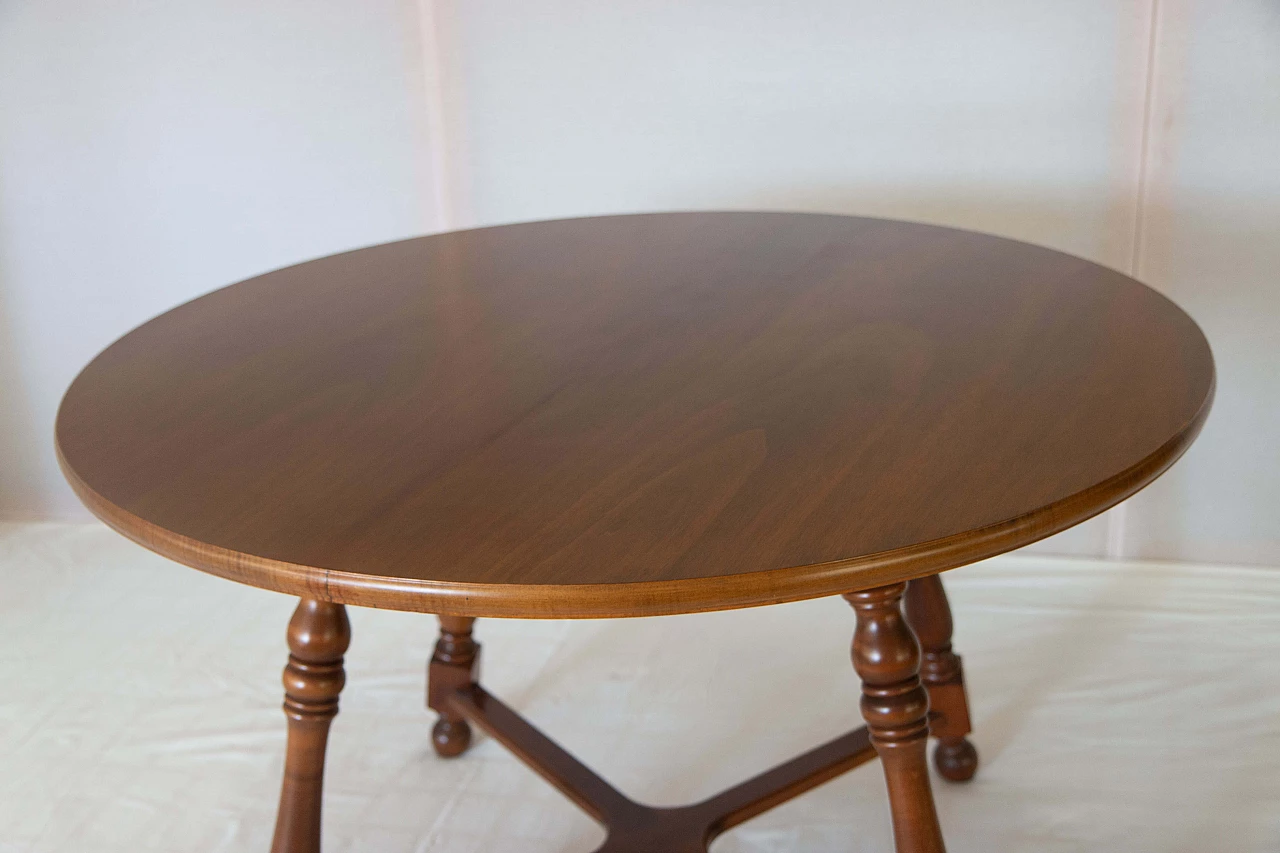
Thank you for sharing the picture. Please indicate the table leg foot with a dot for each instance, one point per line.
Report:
(929, 615)
(896, 708)
(455, 664)
(956, 759)
(319, 634)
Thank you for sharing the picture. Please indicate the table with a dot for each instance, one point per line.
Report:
(635, 416)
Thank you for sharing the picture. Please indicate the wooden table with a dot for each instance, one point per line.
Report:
(633, 416)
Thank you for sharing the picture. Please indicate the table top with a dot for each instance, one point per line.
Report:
(635, 415)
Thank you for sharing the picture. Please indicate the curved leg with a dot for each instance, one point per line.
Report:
(896, 708)
(943, 676)
(318, 636)
(454, 665)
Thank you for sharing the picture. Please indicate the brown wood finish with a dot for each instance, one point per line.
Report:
(319, 634)
(637, 828)
(929, 615)
(634, 415)
(454, 665)
(895, 705)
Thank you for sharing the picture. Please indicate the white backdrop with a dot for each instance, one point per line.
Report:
(151, 152)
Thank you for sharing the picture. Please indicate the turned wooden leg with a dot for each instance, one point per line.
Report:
(318, 636)
(455, 664)
(896, 708)
(940, 670)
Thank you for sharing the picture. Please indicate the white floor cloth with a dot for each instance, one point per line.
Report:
(1117, 707)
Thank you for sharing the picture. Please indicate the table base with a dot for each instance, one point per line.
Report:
(634, 827)
(902, 655)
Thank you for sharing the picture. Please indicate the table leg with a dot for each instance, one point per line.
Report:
(454, 665)
(319, 634)
(930, 617)
(896, 708)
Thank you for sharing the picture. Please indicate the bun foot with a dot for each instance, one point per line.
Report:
(956, 759)
(451, 737)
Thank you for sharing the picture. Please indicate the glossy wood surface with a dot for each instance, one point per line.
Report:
(635, 415)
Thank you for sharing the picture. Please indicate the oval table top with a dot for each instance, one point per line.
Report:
(635, 415)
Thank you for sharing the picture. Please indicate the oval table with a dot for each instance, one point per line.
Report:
(632, 416)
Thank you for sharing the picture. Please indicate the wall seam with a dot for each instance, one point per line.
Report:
(437, 125)
(1144, 152)
(1117, 519)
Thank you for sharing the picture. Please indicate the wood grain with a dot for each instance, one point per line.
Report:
(635, 415)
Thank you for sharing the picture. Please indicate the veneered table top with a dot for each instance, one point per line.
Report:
(635, 415)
